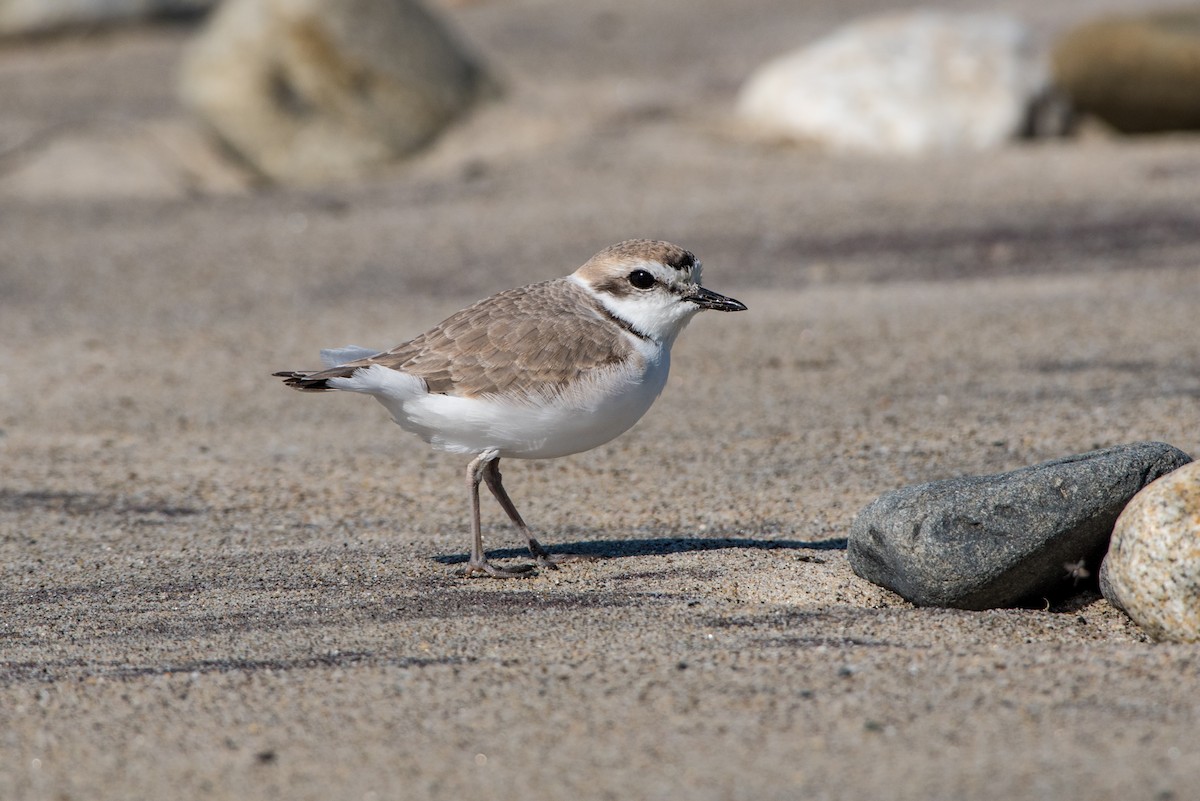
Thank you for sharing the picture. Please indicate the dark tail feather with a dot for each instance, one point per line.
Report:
(302, 381)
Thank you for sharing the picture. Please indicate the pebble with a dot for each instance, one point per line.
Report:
(980, 542)
(1152, 570)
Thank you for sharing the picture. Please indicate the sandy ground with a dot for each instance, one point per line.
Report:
(212, 587)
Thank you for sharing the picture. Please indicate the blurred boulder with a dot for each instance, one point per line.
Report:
(36, 17)
(905, 83)
(313, 90)
(158, 160)
(1139, 75)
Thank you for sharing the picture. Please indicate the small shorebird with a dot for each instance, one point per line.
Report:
(546, 370)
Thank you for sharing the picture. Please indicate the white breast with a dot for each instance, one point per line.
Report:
(600, 408)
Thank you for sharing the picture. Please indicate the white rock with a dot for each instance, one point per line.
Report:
(313, 90)
(1153, 562)
(907, 83)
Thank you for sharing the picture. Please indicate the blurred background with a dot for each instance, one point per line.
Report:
(789, 142)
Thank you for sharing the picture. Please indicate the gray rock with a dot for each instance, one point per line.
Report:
(1152, 571)
(985, 541)
(904, 83)
(308, 91)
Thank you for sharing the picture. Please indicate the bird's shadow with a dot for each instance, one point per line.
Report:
(657, 546)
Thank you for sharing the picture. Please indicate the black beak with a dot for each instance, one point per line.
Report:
(707, 299)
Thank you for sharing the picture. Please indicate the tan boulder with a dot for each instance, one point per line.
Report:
(1152, 570)
(313, 90)
(1138, 74)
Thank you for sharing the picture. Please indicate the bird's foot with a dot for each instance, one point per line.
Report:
(486, 568)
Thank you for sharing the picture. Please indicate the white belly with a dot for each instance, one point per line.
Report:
(574, 421)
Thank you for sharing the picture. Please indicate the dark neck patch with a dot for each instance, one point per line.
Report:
(607, 314)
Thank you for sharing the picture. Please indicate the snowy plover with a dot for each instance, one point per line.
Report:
(546, 370)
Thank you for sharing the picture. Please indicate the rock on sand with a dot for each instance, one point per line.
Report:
(1152, 570)
(986, 541)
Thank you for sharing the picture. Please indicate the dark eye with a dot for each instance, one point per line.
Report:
(641, 279)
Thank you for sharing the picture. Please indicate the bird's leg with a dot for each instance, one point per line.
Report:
(478, 563)
(491, 474)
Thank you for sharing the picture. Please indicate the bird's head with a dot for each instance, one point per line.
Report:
(653, 286)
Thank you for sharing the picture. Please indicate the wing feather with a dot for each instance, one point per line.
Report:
(516, 342)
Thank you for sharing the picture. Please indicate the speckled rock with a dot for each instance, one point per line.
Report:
(1152, 570)
(1106, 586)
(986, 541)
(903, 83)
